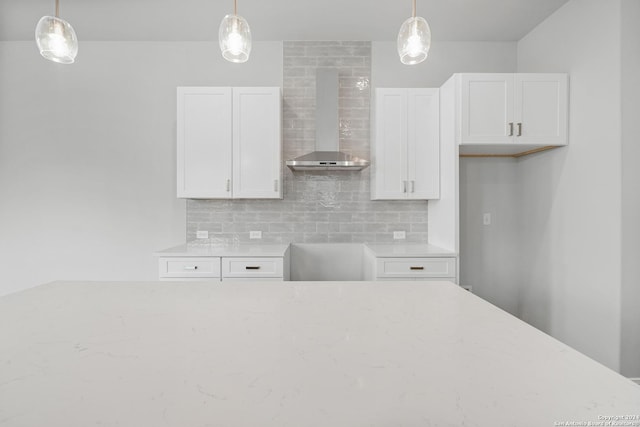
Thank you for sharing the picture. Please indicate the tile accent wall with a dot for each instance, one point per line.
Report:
(317, 206)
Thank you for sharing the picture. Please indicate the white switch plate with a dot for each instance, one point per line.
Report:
(399, 235)
(486, 219)
(202, 234)
(255, 234)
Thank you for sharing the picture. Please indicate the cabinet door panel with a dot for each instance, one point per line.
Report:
(541, 108)
(203, 142)
(487, 108)
(257, 148)
(423, 145)
(389, 174)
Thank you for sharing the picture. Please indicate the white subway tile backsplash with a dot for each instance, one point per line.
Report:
(318, 207)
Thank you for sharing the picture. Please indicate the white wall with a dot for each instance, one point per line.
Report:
(445, 59)
(571, 197)
(630, 357)
(488, 261)
(87, 155)
(490, 254)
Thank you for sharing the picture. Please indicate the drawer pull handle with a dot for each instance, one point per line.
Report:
(249, 267)
(416, 268)
(190, 267)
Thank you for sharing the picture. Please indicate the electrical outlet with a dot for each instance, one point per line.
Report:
(255, 234)
(202, 234)
(399, 235)
(486, 219)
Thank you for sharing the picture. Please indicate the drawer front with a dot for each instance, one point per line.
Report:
(190, 267)
(252, 267)
(416, 267)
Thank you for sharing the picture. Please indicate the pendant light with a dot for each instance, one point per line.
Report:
(414, 39)
(235, 37)
(56, 38)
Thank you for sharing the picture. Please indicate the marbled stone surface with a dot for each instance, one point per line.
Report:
(288, 354)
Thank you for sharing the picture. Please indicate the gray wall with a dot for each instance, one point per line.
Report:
(445, 58)
(335, 207)
(490, 254)
(87, 155)
(571, 197)
(88, 186)
(318, 206)
(630, 357)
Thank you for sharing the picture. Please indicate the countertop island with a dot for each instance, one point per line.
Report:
(289, 354)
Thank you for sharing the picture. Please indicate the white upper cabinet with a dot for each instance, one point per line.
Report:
(204, 142)
(229, 143)
(257, 149)
(520, 109)
(541, 109)
(405, 145)
(487, 108)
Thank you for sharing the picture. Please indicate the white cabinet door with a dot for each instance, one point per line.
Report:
(257, 147)
(406, 145)
(389, 180)
(541, 105)
(423, 144)
(204, 142)
(487, 108)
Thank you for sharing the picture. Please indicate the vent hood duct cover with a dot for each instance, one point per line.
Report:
(327, 156)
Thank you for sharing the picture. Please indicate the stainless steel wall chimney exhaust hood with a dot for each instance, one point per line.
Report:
(327, 156)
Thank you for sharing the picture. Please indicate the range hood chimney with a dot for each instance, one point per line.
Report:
(326, 156)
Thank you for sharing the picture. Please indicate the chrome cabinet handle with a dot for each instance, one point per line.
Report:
(519, 129)
(275, 185)
(190, 267)
(413, 186)
(228, 185)
(511, 129)
(404, 186)
(250, 267)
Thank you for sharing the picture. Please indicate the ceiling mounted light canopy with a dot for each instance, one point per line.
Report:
(56, 38)
(414, 39)
(235, 37)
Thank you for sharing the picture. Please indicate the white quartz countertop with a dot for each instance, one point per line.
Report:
(196, 248)
(204, 248)
(297, 354)
(407, 250)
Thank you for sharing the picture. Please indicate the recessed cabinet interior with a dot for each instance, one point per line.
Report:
(229, 143)
(405, 144)
(509, 112)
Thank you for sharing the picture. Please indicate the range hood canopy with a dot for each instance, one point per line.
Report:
(327, 156)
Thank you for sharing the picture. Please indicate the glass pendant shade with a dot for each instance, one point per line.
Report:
(56, 40)
(414, 40)
(235, 38)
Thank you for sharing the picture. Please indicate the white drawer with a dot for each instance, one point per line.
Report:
(190, 267)
(252, 267)
(416, 267)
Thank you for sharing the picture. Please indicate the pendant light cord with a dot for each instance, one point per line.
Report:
(414, 8)
(235, 7)
(57, 8)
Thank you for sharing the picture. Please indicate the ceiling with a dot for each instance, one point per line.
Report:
(198, 20)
